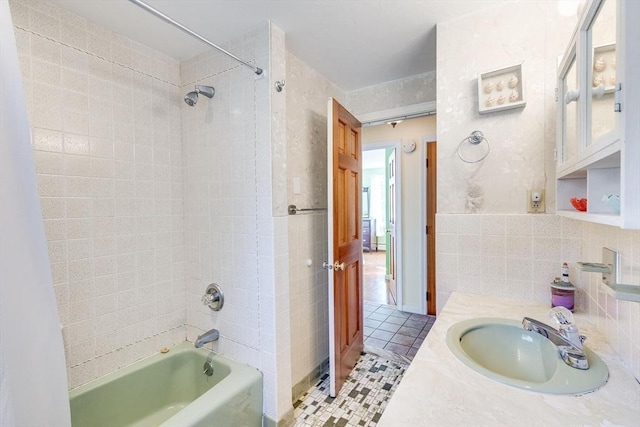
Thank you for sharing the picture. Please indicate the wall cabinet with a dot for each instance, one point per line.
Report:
(598, 96)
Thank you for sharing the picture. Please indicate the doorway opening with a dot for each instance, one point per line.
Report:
(378, 218)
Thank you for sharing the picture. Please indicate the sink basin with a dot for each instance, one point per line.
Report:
(503, 351)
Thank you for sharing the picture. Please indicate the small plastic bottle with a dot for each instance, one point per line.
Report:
(565, 272)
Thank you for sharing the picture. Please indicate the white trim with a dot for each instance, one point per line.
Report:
(423, 221)
(397, 146)
(407, 111)
(412, 309)
(330, 282)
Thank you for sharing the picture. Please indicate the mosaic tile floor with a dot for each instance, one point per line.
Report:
(361, 401)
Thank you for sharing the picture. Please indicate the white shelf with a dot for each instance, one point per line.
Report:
(597, 156)
(623, 292)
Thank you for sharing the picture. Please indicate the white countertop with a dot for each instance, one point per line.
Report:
(439, 390)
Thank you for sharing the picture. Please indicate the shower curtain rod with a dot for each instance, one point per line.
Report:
(176, 24)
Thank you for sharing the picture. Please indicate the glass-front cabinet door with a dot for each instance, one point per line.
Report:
(570, 93)
(598, 132)
(601, 75)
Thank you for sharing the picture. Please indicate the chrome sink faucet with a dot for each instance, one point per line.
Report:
(207, 337)
(566, 338)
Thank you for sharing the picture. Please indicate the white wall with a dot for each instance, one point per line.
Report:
(105, 123)
(393, 94)
(505, 251)
(307, 93)
(522, 140)
(413, 193)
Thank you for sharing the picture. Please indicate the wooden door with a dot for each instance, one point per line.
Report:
(344, 188)
(391, 231)
(431, 229)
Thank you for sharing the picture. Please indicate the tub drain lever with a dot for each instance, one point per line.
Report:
(208, 366)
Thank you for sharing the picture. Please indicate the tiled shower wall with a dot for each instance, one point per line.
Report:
(233, 238)
(106, 136)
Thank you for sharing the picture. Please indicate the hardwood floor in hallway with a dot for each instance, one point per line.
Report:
(376, 288)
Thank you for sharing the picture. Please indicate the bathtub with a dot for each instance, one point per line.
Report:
(171, 390)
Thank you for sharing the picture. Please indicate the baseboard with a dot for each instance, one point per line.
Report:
(411, 309)
(287, 420)
(309, 380)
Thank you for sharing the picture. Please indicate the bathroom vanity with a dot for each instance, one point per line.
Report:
(438, 389)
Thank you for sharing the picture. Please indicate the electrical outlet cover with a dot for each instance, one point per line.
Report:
(535, 204)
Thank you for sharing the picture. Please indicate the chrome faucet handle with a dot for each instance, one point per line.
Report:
(566, 326)
(213, 297)
(561, 315)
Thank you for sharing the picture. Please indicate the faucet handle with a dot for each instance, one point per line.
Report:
(213, 297)
(562, 316)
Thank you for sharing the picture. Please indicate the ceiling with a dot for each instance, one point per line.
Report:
(354, 43)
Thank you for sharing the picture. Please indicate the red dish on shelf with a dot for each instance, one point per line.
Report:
(579, 204)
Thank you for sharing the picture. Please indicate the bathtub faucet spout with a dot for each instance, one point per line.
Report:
(207, 337)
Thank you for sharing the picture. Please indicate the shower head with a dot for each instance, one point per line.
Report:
(192, 97)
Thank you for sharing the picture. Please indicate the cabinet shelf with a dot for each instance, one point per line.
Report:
(594, 157)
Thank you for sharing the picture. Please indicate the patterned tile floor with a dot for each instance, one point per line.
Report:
(361, 401)
(393, 330)
(392, 338)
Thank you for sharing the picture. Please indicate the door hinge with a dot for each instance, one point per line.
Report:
(427, 295)
(426, 229)
(426, 162)
(556, 94)
(617, 105)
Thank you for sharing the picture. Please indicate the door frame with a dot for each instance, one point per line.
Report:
(403, 113)
(429, 269)
(397, 145)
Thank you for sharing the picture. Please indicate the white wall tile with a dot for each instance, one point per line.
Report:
(73, 128)
(530, 263)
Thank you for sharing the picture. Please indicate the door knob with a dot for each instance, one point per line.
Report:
(338, 266)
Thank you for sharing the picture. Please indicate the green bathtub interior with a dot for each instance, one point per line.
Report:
(160, 389)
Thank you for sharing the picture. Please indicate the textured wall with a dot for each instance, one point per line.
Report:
(106, 136)
(393, 94)
(307, 93)
(522, 140)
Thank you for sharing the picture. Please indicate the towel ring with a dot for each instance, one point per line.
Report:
(475, 139)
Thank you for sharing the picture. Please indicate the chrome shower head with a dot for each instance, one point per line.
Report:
(192, 97)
